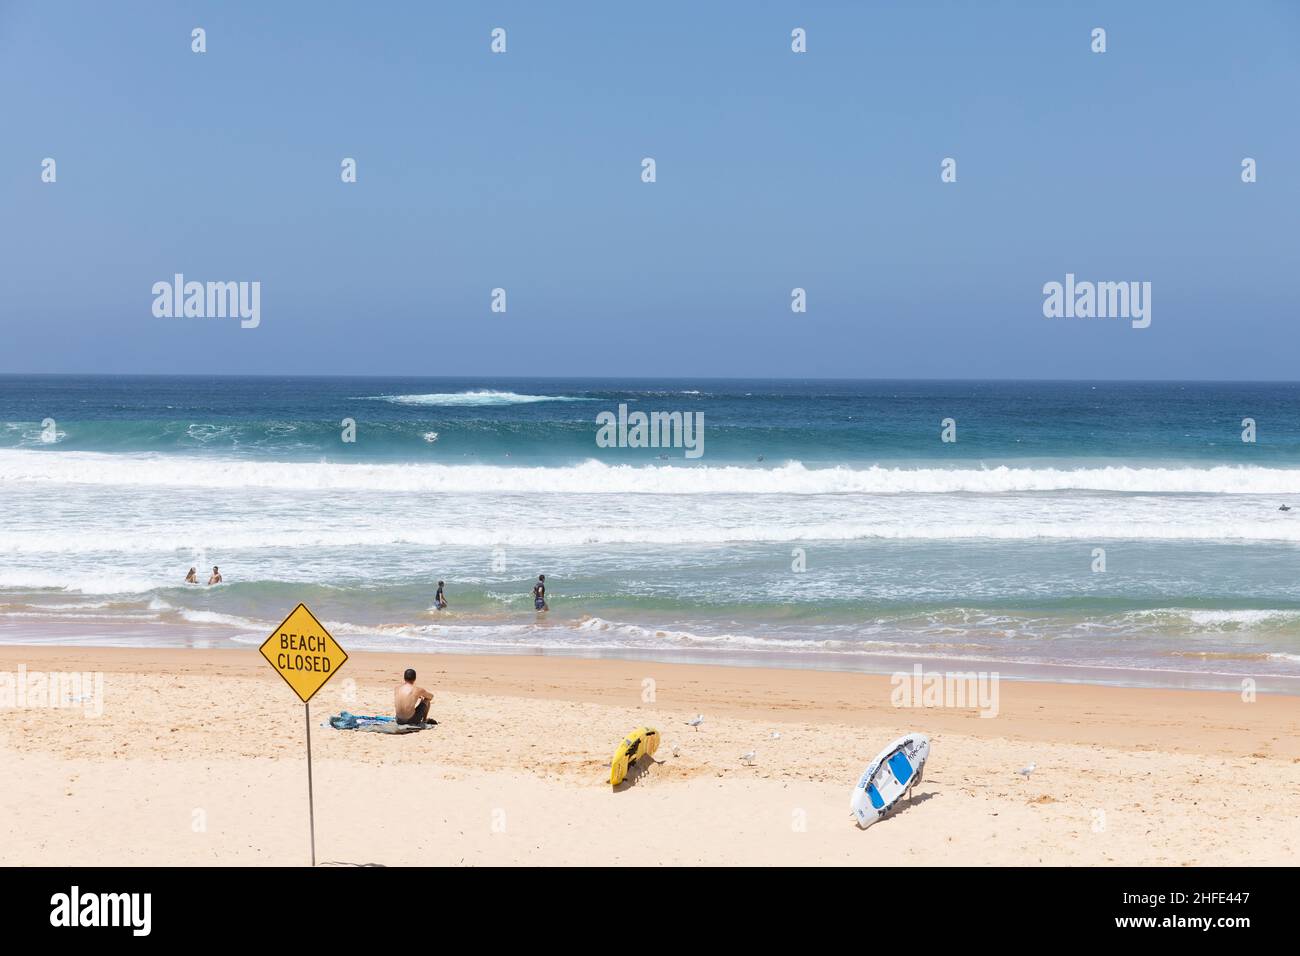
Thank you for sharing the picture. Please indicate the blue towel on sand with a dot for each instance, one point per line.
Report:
(346, 721)
(383, 725)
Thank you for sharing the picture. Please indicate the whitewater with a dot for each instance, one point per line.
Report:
(1064, 535)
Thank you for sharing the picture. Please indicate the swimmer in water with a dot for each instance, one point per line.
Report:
(440, 599)
(216, 575)
(539, 594)
(192, 577)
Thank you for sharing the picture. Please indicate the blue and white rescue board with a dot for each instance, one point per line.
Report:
(894, 772)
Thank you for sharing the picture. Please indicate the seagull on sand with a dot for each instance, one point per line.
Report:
(776, 735)
(1026, 771)
(748, 759)
(696, 721)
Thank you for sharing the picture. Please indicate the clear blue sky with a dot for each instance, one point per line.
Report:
(775, 170)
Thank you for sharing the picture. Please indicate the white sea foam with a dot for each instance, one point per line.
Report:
(204, 433)
(597, 635)
(636, 635)
(78, 582)
(74, 606)
(77, 616)
(481, 397)
(588, 635)
(226, 620)
(295, 539)
(597, 478)
(180, 527)
(1214, 620)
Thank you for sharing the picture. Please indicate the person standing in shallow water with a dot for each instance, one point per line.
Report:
(539, 594)
(192, 577)
(440, 599)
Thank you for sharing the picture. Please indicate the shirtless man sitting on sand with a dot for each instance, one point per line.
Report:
(411, 703)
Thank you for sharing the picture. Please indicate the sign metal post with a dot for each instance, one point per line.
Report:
(306, 656)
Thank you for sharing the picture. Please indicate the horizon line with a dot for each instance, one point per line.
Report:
(652, 378)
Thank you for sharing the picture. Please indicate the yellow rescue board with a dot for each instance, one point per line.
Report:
(642, 742)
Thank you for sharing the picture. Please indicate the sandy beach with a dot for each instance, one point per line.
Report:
(198, 759)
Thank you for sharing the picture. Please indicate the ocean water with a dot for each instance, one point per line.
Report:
(826, 524)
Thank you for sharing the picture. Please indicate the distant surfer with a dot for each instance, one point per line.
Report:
(1285, 508)
(216, 575)
(411, 703)
(192, 577)
(539, 593)
(440, 599)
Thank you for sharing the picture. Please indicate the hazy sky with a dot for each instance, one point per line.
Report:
(775, 170)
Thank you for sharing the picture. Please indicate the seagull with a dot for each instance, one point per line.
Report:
(696, 721)
(676, 749)
(748, 758)
(1026, 771)
(776, 735)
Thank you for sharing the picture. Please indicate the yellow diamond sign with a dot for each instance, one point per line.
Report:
(303, 653)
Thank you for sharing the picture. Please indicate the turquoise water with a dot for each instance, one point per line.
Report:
(825, 524)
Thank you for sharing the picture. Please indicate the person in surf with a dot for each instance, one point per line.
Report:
(539, 594)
